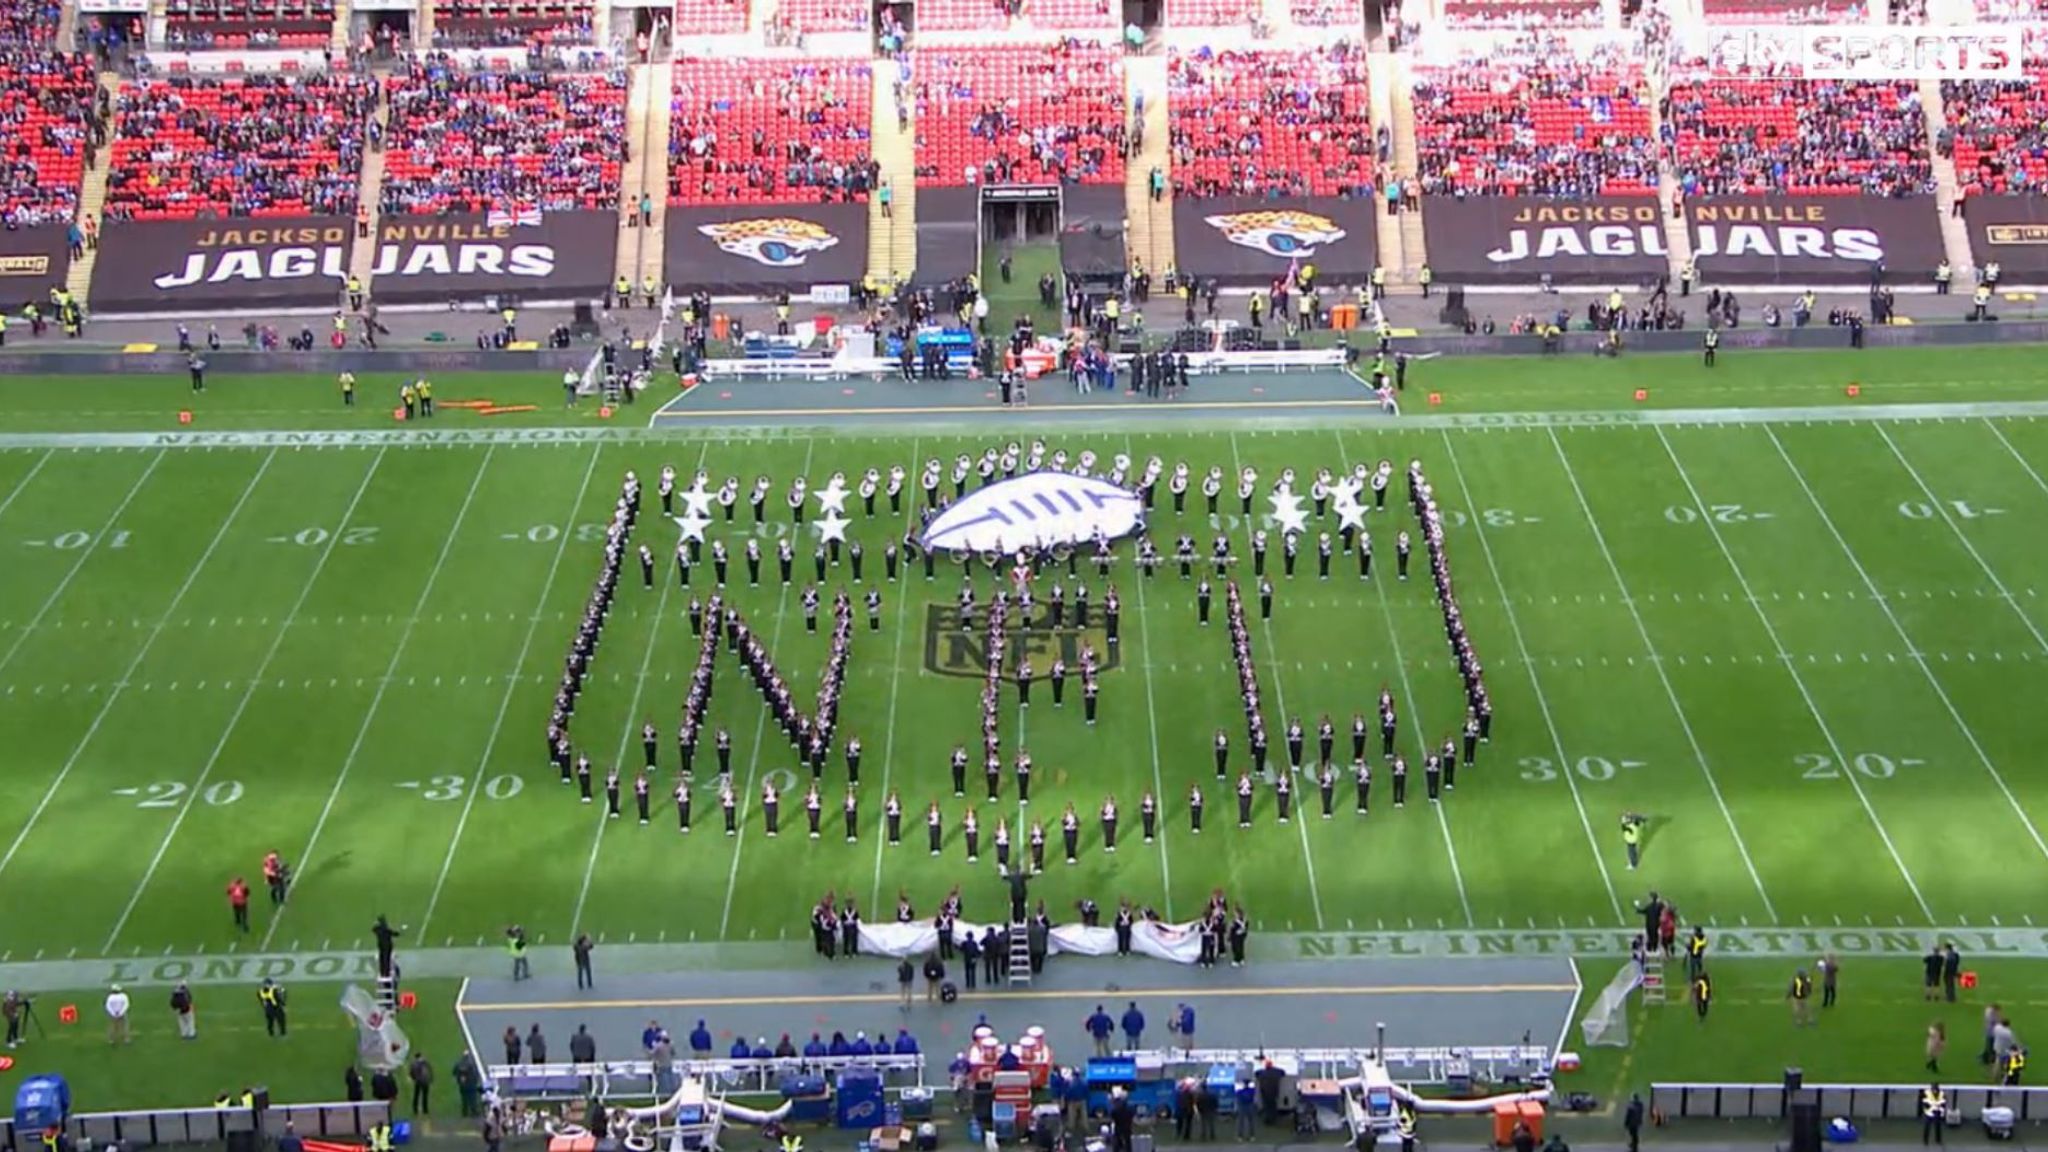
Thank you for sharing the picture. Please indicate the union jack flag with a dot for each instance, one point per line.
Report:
(514, 216)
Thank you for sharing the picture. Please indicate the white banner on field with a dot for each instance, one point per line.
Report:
(1180, 943)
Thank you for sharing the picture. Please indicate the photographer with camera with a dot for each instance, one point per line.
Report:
(14, 1010)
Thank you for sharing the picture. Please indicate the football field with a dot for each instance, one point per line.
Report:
(1810, 651)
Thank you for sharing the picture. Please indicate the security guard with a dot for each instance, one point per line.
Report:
(2015, 1064)
(1933, 1113)
(1709, 344)
(622, 293)
(271, 996)
(650, 287)
(355, 294)
(1702, 995)
(1632, 839)
(1686, 276)
(1696, 953)
(782, 314)
(348, 389)
(511, 318)
(1404, 1123)
(1980, 303)
(1943, 276)
(1801, 995)
(1424, 277)
(380, 1136)
(409, 400)
(1379, 282)
(424, 390)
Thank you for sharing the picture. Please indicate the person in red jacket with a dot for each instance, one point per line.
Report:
(238, 901)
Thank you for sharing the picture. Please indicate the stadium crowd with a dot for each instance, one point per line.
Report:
(1020, 113)
(49, 114)
(1996, 130)
(1535, 116)
(1272, 123)
(770, 130)
(1754, 136)
(473, 141)
(258, 145)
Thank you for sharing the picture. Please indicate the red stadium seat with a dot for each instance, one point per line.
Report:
(1020, 114)
(770, 130)
(1754, 136)
(44, 136)
(1271, 121)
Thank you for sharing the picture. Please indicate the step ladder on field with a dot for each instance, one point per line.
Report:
(1020, 953)
(387, 993)
(1654, 988)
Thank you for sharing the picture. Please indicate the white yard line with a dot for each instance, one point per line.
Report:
(27, 477)
(1152, 717)
(1417, 729)
(1919, 658)
(512, 683)
(2024, 463)
(667, 577)
(1785, 657)
(902, 608)
(1535, 681)
(248, 693)
(84, 554)
(1941, 508)
(1699, 754)
(746, 798)
(348, 763)
(1308, 856)
(149, 642)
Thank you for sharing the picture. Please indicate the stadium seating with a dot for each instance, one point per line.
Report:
(1751, 136)
(710, 17)
(511, 22)
(473, 141)
(260, 145)
(1531, 14)
(1996, 127)
(1020, 114)
(1783, 12)
(823, 15)
(228, 25)
(44, 100)
(1210, 13)
(1535, 118)
(767, 130)
(997, 15)
(1270, 121)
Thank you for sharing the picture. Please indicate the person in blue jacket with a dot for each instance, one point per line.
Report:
(1247, 1108)
(740, 1051)
(1134, 1026)
(839, 1045)
(815, 1050)
(761, 1050)
(906, 1044)
(861, 1047)
(700, 1040)
(1184, 1024)
(1101, 1027)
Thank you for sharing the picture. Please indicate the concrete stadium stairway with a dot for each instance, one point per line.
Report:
(423, 26)
(761, 17)
(344, 15)
(92, 199)
(1382, 72)
(362, 259)
(1948, 187)
(649, 101)
(892, 239)
(1677, 237)
(1414, 250)
(1150, 229)
(67, 27)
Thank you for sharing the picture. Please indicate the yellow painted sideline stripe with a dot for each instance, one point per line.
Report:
(1020, 413)
(1038, 994)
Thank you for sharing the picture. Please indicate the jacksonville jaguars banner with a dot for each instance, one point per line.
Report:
(1244, 242)
(1036, 510)
(33, 259)
(198, 265)
(762, 249)
(531, 256)
(2012, 230)
(1801, 240)
(1523, 239)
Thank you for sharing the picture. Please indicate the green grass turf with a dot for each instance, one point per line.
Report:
(347, 653)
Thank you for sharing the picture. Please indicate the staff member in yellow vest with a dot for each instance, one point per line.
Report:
(3, 329)
(1702, 995)
(425, 390)
(511, 317)
(380, 1136)
(271, 995)
(1696, 953)
(1933, 1114)
(1980, 303)
(1801, 996)
(1709, 344)
(782, 314)
(1379, 282)
(622, 293)
(1632, 838)
(2015, 1064)
(355, 294)
(348, 389)
(1404, 1125)
(650, 287)
(1686, 276)
(1425, 277)
(1944, 277)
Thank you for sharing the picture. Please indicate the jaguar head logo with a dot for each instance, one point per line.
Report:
(1285, 233)
(778, 242)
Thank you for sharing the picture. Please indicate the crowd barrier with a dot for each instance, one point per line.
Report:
(1852, 1101)
(635, 1078)
(142, 1129)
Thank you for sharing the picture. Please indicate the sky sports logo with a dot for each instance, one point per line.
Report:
(1971, 52)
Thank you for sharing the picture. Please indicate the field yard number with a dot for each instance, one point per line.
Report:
(1869, 765)
(172, 793)
(1719, 513)
(73, 541)
(592, 533)
(315, 537)
(1963, 509)
(782, 779)
(1488, 517)
(503, 787)
(1597, 769)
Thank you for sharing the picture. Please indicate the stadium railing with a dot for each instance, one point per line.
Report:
(636, 1077)
(1853, 1101)
(143, 1129)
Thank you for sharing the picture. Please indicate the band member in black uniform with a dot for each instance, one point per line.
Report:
(1388, 723)
(647, 567)
(611, 793)
(723, 744)
(1070, 833)
(934, 827)
(814, 808)
(1080, 605)
(1449, 754)
(1361, 778)
(892, 819)
(890, 557)
(758, 498)
(1290, 551)
(1123, 925)
(959, 766)
(1109, 824)
(1023, 777)
(1259, 552)
(1056, 605)
(1222, 754)
(1148, 816)
(640, 787)
(1244, 800)
(1059, 683)
(851, 807)
(1365, 555)
(1471, 733)
(1202, 602)
(1400, 782)
(1112, 611)
(1326, 738)
(771, 807)
(1401, 549)
(1326, 784)
(696, 617)
(1024, 682)
(583, 777)
(683, 806)
(1323, 549)
(853, 762)
(992, 772)
(1432, 776)
(1258, 740)
(1265, 599)
(1088, 692)
(819, 561)
(730, 805)
(1195, 808)
(1239, 933)
(1037, 845)
(719, 561)
(970, 830)
(684, 561)
(1294, 742)
(785, 561)
(1283, 795)
(1002, 847)
(752, 554)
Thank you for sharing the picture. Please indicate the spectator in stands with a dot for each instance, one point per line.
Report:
(1272, 124)
(1748, 137)
(809, 138)
(1030, 115)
